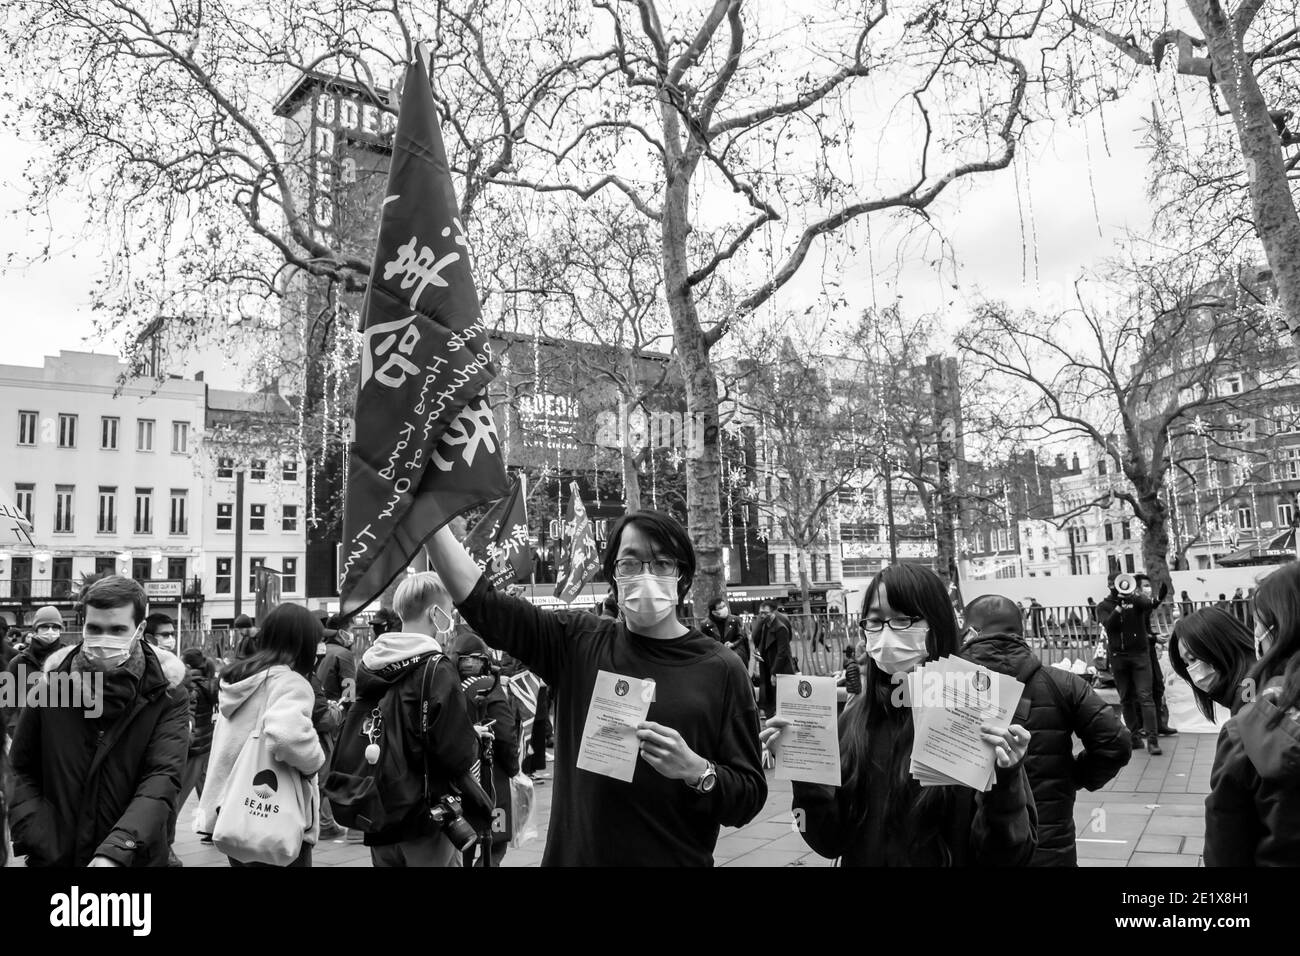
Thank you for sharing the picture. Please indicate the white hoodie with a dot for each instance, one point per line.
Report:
(289, 701)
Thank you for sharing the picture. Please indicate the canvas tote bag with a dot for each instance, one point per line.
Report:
(267, 807)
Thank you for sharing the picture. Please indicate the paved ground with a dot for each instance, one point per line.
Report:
(1152, 814)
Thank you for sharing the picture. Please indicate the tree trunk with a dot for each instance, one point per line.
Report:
(1155, 547)
(805, 580)
(703, 459)
(631, 481)
(1276, 220)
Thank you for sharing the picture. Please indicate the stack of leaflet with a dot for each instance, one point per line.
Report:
(950, 699)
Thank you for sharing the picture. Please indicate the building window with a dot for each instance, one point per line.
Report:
(254, 564)
(289, 578)
(142, 569)
(290, 471)
(1286, 515)
(225, 469)
(144, 511)
(23, 499)
(1110, 531)
(223, 575)
(27, 428)
(108, 433)
(107, 510)
(787, 567)
(180, 438)
(225, 516)
(257, 517)
(67, 431)
(1129, 566)
(289, 520)
(1245, 519)
(179, 520)
(1126, 530)
(63, 508)
(61, 577)
(1029, 553)
(257, 469)
(1047, 554)
(1287, 464)
(176, 569)
(144, 434)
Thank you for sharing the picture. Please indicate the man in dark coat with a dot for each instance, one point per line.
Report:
(772, 645)
(336, 678)
(1127, 622)
(25, 665)
(97, 768)
(490, 705)
(1058, 705)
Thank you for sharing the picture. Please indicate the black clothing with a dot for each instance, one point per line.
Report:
(1060, 706)
(1252, 815)
(85, 787)
(1132, 673)
(450, 748)
(728, 631)
(701, 691)
(978, 829)
(488, 701)
(336, 671)
(772, 644)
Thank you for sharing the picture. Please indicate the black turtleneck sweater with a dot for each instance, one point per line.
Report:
(701, 691)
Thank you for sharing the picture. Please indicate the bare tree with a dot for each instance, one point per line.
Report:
(1247, 57)
(163, 114)
(1136, 379)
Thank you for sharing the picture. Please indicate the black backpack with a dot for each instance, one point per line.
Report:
(383, 795)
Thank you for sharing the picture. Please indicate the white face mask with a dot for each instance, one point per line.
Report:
(1202, 675)
(897, 652)
(723, 611)
(167, 643)
(47, 635)
(108, 650)
(451, 624)
(647, 599)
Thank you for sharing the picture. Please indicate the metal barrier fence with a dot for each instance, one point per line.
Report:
(1055, 632)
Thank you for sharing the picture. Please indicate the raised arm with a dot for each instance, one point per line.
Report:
(457, 569)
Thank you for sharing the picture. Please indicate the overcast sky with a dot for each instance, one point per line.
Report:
(48, 303)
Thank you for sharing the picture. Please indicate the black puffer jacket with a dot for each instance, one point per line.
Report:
(1059, 705)
(1252, 815)
(80, 790)
(204, 696)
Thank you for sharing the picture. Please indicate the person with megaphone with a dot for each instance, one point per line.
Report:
(1125, 614)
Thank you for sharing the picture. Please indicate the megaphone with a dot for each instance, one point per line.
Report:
(1126, 584)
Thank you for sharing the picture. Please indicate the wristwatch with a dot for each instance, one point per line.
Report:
(708, 780)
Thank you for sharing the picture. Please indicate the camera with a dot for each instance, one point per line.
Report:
(449, 817)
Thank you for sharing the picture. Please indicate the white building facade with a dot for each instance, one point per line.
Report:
(107, 477)
(246, 436)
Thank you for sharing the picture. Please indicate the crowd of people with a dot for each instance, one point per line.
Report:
(418, 748)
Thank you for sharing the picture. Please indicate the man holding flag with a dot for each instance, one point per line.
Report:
(426, 450)
(693, 764)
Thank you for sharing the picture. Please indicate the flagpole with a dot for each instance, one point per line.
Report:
(523, 495)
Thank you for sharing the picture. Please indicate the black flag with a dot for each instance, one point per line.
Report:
(499, 542)
(426, 444)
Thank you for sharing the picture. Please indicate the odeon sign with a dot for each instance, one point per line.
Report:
(336, 113)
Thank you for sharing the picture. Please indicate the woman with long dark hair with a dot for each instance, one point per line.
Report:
(1252, 815)
(272, 681)
(880, 815)
(1213, 652)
